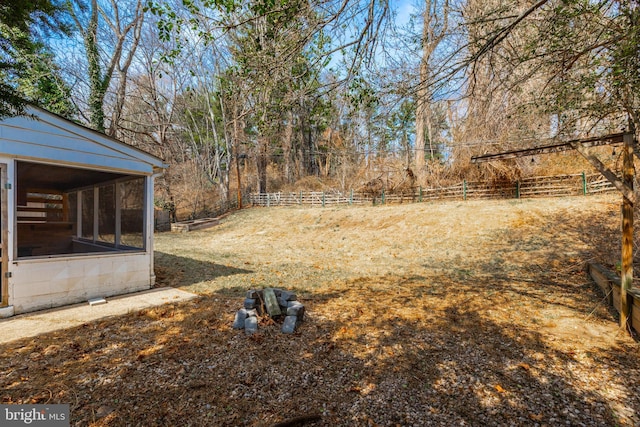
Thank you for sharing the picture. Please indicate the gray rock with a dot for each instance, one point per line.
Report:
(271, 302)
(251, 325)
(249, 303)
(288, 296)
(282, 302)
(289, 325)
(252, 294)
(277, 291)
(252, 313)
(238, 322)
(296, 309)
(101, 412)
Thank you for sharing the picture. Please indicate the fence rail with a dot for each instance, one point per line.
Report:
(540, 186)
(163, 218)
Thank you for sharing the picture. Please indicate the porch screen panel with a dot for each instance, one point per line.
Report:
(87, 214)
(70, 211)
(132, 213)
(73, 207)
(107, 214)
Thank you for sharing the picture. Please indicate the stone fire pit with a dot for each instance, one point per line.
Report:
(274, 303)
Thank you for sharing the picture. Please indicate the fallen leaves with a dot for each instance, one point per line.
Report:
(398, 335)
(536, 417)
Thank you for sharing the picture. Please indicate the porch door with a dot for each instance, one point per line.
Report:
(4, 217)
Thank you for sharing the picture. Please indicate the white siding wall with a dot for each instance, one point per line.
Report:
(44, 283)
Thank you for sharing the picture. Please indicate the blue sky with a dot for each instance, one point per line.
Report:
(404, 9)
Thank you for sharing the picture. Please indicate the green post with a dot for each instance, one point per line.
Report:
(464, 189)
(517, 189)
(323, 201)
(351, 198)
(584, 184)
(420, 194)
(382, 199)
(300, 198)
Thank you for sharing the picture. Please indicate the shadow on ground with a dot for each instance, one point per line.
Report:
(508, 338)
(375, 351)
(184, 271)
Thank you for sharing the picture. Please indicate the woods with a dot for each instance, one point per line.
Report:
(279, 95)
(475, 309)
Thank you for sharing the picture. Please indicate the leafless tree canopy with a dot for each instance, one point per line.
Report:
(268, 95)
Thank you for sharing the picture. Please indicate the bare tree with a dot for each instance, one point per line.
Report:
(435, 23)
(579, 59)
(110, 37)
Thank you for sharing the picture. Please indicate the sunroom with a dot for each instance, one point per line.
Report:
(77, 214)
(63, 210)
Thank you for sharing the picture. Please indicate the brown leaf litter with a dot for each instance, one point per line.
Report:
(456, 313)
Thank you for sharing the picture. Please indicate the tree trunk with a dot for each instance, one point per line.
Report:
(123, 69)
(98, 84)
(433, 32)
(626, 279)
(314, 168)
(99, 78)
(236, 147)
(261, 164)
(287, 145)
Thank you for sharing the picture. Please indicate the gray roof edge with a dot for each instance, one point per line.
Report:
(98, 137)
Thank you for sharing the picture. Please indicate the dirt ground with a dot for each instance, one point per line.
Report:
(454, 313)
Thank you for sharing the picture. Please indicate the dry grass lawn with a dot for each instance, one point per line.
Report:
(453, 313)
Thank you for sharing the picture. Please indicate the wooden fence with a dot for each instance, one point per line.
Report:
(163, 220)
(542, 186)
(610, 284)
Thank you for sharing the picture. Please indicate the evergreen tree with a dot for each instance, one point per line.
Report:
(41, 83)
(21, 22)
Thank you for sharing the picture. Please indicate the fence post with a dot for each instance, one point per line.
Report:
(351, 197)
(420, 194)
(382, 199)
(517, 189)
(300, 203)
(323, 201)
(464, 189)
(626, 276)
(584, 184)
(268, 200)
